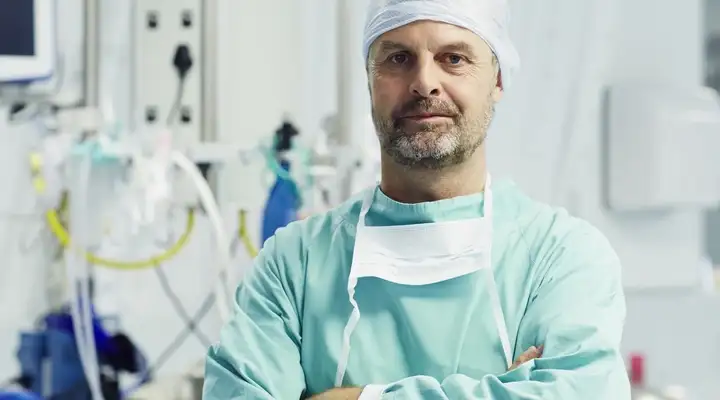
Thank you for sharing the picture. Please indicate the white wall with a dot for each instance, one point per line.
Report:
(546, 137)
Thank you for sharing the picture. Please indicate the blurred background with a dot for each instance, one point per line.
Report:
(174, 123)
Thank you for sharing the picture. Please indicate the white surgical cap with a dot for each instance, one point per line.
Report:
(486, 18)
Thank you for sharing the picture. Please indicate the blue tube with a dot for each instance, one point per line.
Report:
(282, 205)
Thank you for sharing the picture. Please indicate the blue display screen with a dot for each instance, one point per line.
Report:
(17, 28)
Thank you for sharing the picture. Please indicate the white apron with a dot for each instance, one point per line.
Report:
(423, 254)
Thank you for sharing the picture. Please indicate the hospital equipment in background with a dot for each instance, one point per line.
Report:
(283, 203)
(117, 353)
(31, 55)
(83, 321)
(85, 137)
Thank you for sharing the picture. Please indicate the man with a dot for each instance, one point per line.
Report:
(430, 285)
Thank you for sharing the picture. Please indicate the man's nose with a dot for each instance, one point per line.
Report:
(426, 81)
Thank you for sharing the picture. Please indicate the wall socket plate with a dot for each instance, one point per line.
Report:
(159, 27)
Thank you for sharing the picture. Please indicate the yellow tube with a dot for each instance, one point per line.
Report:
(57, 228)
(244, 236)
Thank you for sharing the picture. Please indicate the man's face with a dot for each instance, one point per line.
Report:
(433, 89)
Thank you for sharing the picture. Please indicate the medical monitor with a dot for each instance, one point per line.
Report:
(27, 40)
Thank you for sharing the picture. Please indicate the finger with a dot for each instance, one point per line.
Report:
(521, 359)
(530, 354)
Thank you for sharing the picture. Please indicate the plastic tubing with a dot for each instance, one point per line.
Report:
(207, 199)
(78, 281)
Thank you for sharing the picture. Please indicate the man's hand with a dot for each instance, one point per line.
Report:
(339, 394)
(529, 354)
(354, 393)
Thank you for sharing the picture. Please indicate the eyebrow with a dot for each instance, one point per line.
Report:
(459, 47)
(387, 46)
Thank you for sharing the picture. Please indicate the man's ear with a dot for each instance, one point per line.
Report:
(498, 91)
(497, 94)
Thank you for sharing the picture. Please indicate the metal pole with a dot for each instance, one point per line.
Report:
(344, 73)
(209, 70)
(91, 95)
(343, 135)
(92, 54)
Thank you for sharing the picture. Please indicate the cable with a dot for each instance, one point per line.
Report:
(179, 308)
(207, 199)
(177, 102)
(80, 300)
(183, 62)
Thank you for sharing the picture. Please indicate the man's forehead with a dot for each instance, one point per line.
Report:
(432, 36)
(388, 3)
(385, 46)
(428, 29)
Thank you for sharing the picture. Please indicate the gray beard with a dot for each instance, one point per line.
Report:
(433, 148)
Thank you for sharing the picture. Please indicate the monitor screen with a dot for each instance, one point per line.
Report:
(17, 28)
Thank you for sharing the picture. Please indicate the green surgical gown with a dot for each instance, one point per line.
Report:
(558, 278)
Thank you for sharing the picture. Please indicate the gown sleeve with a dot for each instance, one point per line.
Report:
(258, 356)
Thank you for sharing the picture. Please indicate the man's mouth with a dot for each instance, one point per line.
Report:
(427, 117)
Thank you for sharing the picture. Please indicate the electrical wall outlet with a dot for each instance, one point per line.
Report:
(160, 27)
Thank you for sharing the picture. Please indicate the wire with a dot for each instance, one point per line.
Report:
(243, 236)
(179, 308)
(177, 102)
(183, 63)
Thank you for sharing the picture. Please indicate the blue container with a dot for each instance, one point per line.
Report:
(282, 205)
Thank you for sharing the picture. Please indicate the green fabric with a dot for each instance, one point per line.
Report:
(559, 282)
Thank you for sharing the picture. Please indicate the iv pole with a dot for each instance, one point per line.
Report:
(346, 124)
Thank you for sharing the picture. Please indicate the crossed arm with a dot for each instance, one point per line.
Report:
(356, 392)
(577, 314)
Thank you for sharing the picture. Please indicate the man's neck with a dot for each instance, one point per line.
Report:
(408, 185)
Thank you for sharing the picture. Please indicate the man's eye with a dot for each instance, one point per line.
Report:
(399, 58)
(455, 59)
